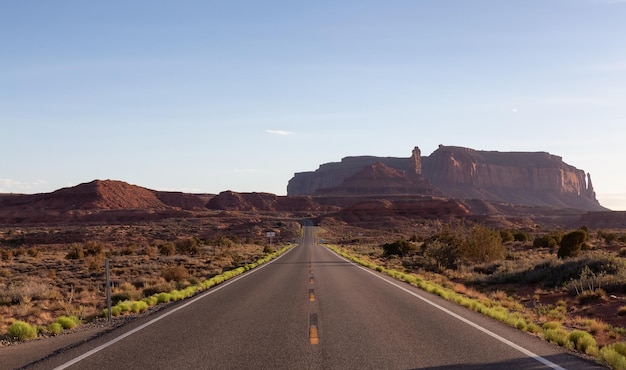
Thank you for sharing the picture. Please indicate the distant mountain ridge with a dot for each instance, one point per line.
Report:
(524, 178)
(98, 200)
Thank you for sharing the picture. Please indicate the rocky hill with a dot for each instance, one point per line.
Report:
(524, 178)
(98, 200)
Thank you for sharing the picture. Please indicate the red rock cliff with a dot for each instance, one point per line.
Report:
(514, 177)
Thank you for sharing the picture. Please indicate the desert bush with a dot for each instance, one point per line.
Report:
(174, 273)
(398, 248)
(20, 330)
(224, 242)
(596, 326)
(551, 240)
(6, 254)
(129, 249)
(156, 289)
(150, 251)
(167, 249)
(519, 236)
(589, 296)
(572, 243)
(507, 236)
(92, 248)
(76, 253)
(67, 322)
(439, 255)
(608, 237)
(33, 252)
(187, 246)
(482, 245)
(24, 292)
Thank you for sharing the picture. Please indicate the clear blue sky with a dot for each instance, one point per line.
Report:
(207, 96)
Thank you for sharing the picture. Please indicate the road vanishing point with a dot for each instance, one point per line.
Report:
(312, 309)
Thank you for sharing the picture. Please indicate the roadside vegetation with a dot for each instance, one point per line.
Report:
(53, 279)
(566, 286)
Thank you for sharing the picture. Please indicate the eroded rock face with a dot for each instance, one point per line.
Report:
(516, 177)
(380, 179)
(525, 178)
(261, 202)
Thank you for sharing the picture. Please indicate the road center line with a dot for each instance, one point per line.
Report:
(528, 353)
(166, 314)
(313, 332)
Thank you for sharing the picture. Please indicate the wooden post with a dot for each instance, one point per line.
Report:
(108, 282)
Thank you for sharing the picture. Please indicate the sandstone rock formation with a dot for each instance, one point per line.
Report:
(523, 178)
(379, 179)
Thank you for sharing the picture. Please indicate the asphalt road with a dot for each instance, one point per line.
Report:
(311, 309)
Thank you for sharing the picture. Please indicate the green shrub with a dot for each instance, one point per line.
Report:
(584, 342)
(115, 311)
(124, 306)
(151, 300)
(547, 241)
(22, 331)
(614, 356)
(551, 325)
(55, 328)
(67, 322)
(558, 336)
(139, 306)
(164, 297)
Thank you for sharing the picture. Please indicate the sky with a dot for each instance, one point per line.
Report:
(207, 96)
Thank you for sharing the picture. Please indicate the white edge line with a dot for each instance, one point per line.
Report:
(528, 353)
(166, 314)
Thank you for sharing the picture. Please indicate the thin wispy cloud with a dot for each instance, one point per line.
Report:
(279, 132)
